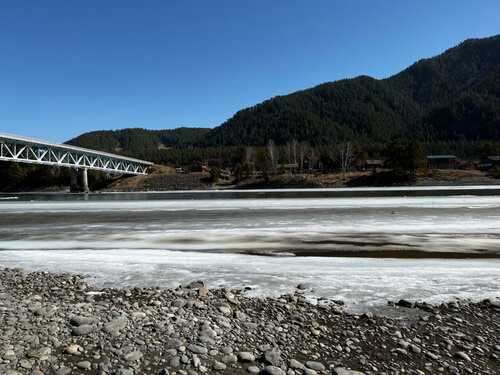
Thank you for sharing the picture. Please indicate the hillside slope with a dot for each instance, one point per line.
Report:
(455, 95)
(362, 108)
(452, 97)
(136, 139)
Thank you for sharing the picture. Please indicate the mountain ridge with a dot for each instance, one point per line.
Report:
(451, 97)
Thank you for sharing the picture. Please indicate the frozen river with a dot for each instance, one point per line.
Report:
(364, 246)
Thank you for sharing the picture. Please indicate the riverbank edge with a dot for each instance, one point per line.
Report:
(159, 181)
(163, 179)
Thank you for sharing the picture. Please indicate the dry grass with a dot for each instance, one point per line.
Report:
(448, 175)
(165, 178)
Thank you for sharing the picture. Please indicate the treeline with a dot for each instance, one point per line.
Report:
(25, 177)
(293, 151)
(179, 156)
(244, 161)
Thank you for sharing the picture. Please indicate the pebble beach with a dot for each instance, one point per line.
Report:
(58, 324)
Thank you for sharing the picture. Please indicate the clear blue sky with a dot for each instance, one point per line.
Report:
(68, 67)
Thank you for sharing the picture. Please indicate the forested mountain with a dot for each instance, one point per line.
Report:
(362, 108)
(132, 140)
(459, 91)
(450, 100)
(468, 66)
(450, 97)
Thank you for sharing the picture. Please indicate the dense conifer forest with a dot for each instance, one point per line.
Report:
(133, 140)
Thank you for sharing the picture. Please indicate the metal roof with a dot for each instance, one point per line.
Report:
(71, 148)
(441, 157)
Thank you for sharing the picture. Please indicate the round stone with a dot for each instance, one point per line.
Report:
(133, 356)
(63, 371)
(296, 365)
(246, 357)
(84, 365)
(225, 310)
(230, 358)
(273, 370)
(219, 366)
(316, 366)
(82, 330)
(81, 320)
(73, 349)
(197, 349)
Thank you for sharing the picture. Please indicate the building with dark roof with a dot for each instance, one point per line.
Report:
(374, 164)
(441, 161)
(489, 162)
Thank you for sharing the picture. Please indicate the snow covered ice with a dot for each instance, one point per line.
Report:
(165, 240)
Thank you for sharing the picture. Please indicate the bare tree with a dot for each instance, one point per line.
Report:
(303, 150)
(249, 157)
(313, 159)
(272, 153)
(345, 157)
(291, 150)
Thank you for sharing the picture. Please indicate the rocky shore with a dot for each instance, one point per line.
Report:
(57, 324)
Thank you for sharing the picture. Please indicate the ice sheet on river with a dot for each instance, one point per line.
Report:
(170, 238)
(467, 224)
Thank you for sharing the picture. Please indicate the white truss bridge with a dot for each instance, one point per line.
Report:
(27, 150)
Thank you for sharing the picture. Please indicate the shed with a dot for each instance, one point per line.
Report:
(292, 167)
(489, 162)
(374, 164)
(441, 161)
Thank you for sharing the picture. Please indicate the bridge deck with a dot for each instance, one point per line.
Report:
(28, 150)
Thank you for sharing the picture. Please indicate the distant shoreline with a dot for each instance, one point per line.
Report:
(162, 180)
(165, 179)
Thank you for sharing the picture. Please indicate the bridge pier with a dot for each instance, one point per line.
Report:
(79, 181)
(85, 181)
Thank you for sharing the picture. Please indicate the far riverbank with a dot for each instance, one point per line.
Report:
(165, 179)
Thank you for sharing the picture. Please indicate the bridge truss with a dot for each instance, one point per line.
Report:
(27, 150)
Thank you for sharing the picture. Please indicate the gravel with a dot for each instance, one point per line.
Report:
(50, 324)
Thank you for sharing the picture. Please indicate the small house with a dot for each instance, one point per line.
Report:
(292, 167)
(199, 167)
(488, 163)
(441, 161)
(374, 164)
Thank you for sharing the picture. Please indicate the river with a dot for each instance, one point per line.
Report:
(364, 246)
